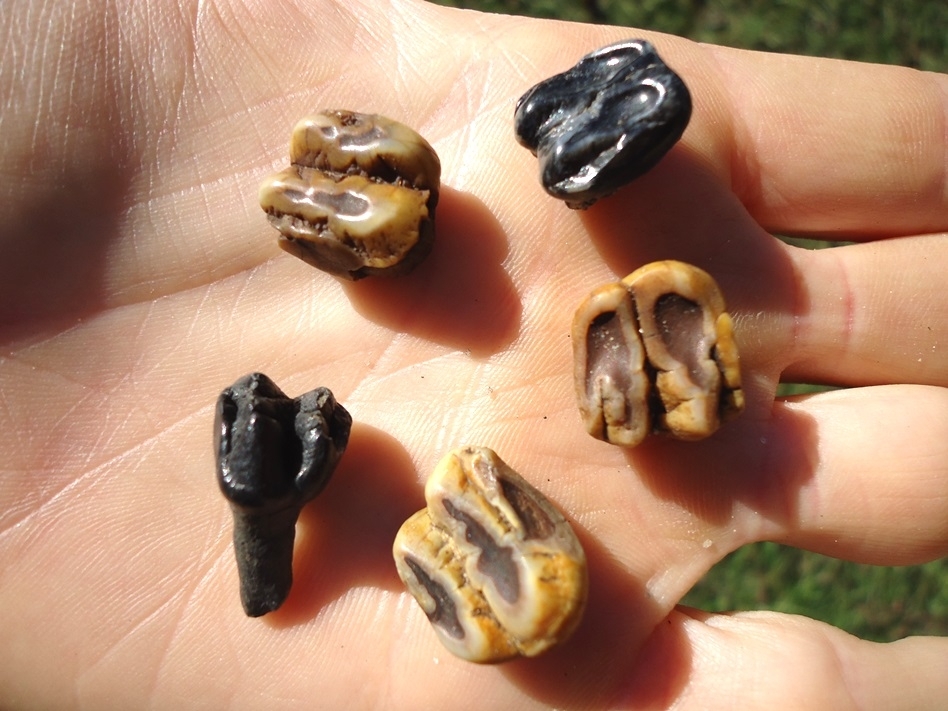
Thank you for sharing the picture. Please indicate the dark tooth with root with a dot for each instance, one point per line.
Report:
(274, 454)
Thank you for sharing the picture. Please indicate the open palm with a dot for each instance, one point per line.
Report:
(138, 277)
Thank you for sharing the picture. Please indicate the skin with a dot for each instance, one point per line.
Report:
(138, 277)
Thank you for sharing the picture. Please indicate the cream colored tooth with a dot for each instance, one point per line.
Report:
(493, 564)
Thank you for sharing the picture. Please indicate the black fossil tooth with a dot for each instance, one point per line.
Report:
(604, 122)
(274, 454)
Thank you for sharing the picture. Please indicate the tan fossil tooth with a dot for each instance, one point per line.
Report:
(496, 568)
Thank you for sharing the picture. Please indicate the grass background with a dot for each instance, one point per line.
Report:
(913, 33)
(873, 602)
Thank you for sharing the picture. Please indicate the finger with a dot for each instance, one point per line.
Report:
(856, 315)
(747, 660)
(858, 474)
(878, 492)
(810, 146)
(872, 313)
(827, 147)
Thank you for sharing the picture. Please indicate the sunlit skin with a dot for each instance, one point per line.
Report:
(139, 277)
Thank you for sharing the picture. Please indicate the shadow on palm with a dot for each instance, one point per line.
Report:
(460, 296)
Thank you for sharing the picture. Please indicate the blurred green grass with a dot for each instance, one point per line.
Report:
(912, 33)
(873, 602)
(877, 603)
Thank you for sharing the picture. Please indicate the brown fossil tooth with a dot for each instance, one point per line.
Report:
(656, 352)
(689, 343)
(359, 196)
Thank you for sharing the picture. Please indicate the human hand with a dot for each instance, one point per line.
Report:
(138, 278)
